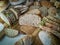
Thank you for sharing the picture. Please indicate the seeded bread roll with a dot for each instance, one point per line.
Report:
(57, 4)
(30, 19)
(52, 11)
(11, 32)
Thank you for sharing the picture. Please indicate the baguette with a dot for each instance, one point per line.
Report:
(53, 19)
(49, 21)
(53, 27)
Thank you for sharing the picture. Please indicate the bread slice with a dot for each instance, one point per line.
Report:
(30, 19)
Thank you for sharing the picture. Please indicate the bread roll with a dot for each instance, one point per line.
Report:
(44, 11)
(34, 11)
(57, 4)
(46, 4)
(11, 32)
(52, 11)
(30, 19)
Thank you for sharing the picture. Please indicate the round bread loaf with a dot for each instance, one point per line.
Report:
(29, 19)
(52, 11)
(44, 11)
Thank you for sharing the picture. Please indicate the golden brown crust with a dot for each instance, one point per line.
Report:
(27, 29)
(46, 4)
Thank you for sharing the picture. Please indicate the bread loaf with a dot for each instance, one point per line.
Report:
(44, 11)
(30, 19)
(34, 11)
(27, 29)
(52, 11)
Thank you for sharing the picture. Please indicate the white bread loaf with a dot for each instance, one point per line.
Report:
(30, 19)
